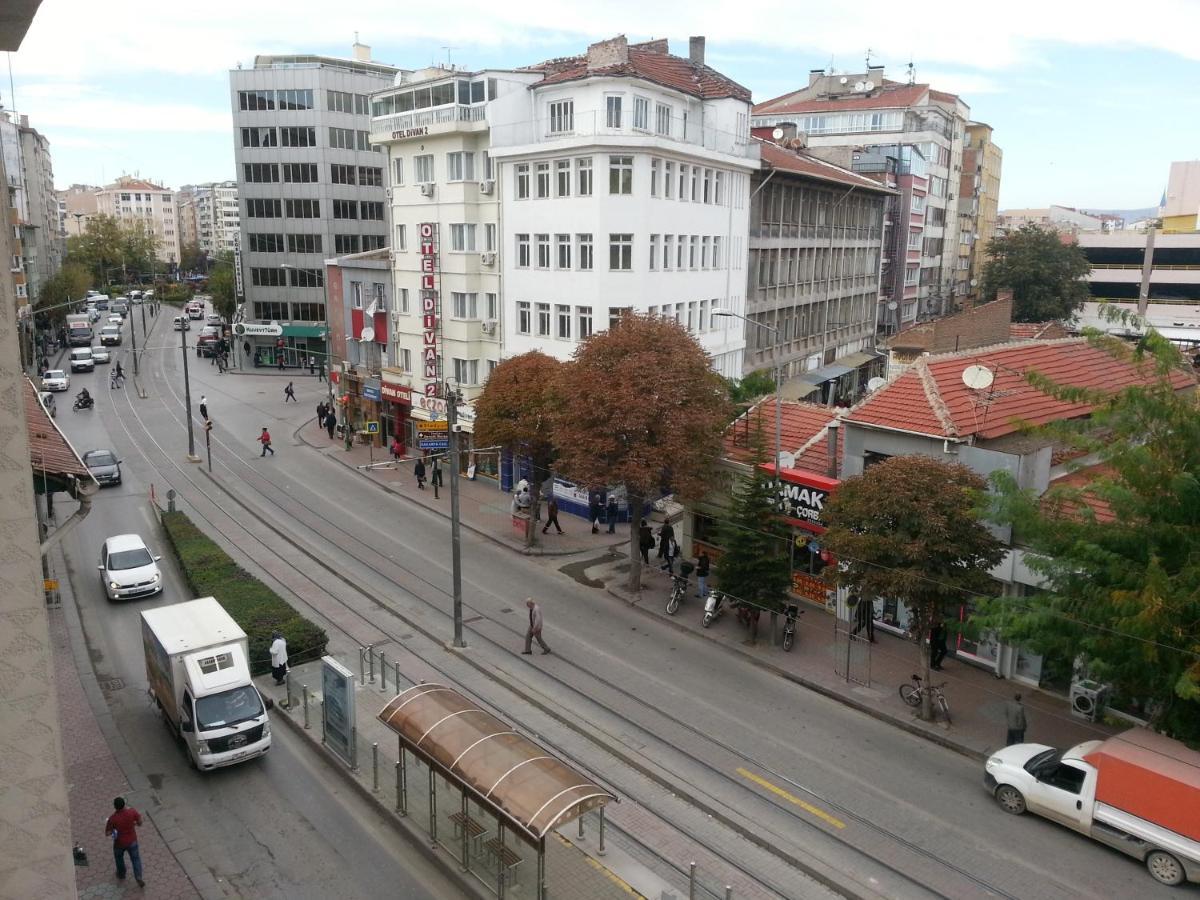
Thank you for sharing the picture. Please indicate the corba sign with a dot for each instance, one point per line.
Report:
(802, 496)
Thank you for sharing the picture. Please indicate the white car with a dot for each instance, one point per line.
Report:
(48, 403)
(128, 568)
(82, 360)
(115, 320)
(101, 354)
(181, 323)
(56, 380)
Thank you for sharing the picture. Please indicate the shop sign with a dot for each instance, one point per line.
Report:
(439, 425)
(370, 392)
(405, 133)
(258, 329)
(433, 440)
(802, 496)
(395, 392)
(429, 306)
(436, 406)
(810, 587)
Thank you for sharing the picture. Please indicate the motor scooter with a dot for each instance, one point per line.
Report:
(791, 612)
(83, 402)
(714, 606)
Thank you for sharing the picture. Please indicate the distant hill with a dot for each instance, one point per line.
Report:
(1129, 215)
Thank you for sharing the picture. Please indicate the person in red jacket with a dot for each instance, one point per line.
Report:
(122, 826)
(265, 440)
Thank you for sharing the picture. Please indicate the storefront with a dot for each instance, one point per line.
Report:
(260, 344)
(395, 405)
(472, 462)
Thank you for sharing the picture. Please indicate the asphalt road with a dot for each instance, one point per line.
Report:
(888, 811)
(285, 826)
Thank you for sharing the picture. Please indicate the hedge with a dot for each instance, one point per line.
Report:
(210, 572)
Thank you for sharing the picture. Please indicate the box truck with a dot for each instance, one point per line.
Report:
(79, 330)
(199, 672)
(1138, 792)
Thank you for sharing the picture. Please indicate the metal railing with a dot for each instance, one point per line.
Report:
(1138, 266)
(595, 123)
(383, 126)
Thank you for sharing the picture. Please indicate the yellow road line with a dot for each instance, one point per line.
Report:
(603, 870)
(791, 798)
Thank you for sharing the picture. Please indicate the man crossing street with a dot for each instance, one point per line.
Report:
(534, 632)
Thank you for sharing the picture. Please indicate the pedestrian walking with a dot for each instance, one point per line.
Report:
(321, 410)
(321, 370)
(265, 440)
(595, 505)
(330, 422)
(419, 473)
(436, 477)
(222, 363)
(204, 407)
(534, 632)
(279, 659)
(645, 541)
(864, 618)
(1014, 715)
(397, 449)
(937, 645)
(289, 393)
(702, 564)
(612, 512)
(279, 359)
(312, 365)
(670, 553)
(552, 516)
(666, 534)
(122, 826)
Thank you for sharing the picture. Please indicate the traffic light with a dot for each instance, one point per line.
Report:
(208, 424)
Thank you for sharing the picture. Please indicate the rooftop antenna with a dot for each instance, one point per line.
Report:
(868, 59)
(448, 63)
(912, 72)
(829, 71)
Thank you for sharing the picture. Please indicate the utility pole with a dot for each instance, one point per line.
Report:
(452, 401)
(187, 396)
(133, 337)
(208, 442)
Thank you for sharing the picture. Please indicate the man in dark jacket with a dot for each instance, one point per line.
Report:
(645, 541)
(552, 515)
(419, 473)
(1014, 716)
(612, 513)
(330, 422)
(702, 564)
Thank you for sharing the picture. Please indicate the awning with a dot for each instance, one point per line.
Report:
(854, 360)
(828, 373)
(312, 331)
(519, 780)
(798, 388)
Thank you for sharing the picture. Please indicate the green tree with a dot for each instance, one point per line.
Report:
(1044, 274)
(108, 245)
(222, 285)
(139, 249)
(755, 385)
(1121, 550)
(192, 258)
(643, 408)
(909, 528)
(68, 284)
(516, 411)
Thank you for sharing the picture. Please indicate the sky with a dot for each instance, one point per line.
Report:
(1090, 101)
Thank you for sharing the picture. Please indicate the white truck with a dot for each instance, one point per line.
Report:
(1138, 792)
(197, 662)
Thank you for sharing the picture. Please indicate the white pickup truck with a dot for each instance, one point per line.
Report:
(1138, 792)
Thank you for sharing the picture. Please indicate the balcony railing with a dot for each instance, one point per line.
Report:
(595, 123)
(383, 126)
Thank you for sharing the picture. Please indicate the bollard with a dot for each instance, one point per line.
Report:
(354, 747)
(399, 799)
(382, 673)
(287, 681)
(691, 881)
(728, 892)
(371, 663)
(304, 687)
(600, 851)
(375, 767)
(322, 702)
(362, 667)
(581, 827)
(396, 673)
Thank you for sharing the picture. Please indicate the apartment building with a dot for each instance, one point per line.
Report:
(44, 245)
(1063, 219)
(1181, 200)
(978, 201)
(130, 199)
(217, 216)
(866, 111)
(185, 215)
(310, 186)
(78, 205)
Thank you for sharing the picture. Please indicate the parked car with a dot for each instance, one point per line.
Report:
(81, 360)
(128, 568)
(100, 354)
(48, 403)
(110, 335)
(214, 320)
(56, 380)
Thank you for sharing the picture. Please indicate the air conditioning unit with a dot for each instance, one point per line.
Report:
(427, 190)
(1088, 699)
(487, 186)
(387, 192)
(488, 258)
(488, 326)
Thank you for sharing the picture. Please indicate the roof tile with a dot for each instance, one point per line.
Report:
(777, 157)
(891, 96)
(804, 432)
(648, 61)
(49, 451)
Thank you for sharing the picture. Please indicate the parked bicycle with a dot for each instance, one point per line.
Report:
(911, 693)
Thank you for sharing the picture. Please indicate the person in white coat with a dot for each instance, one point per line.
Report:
(278, 656)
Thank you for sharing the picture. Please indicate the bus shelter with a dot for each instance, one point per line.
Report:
(507, 792)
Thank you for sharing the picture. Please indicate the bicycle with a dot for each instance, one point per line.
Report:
(911, 694)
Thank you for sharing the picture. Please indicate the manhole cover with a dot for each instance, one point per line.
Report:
(112, 684)
(506, 609)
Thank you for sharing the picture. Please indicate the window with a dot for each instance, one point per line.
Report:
(615, 314)
(668, 179)
(295, 99)
(343, 101)
(668, 250)
(562, 116)
(489, 237)
(265, 243)
(613, 110)
(300, 173)
(912, 275)
(346, 243)
(464, 305)
(371, 210)
(341, 138)
(563, 314)
(423, 168)
(298, 136)
(466, 371)
(304, 243)
(398, 170)
(256, 100)
(583, 322)
(562, 178)
(680, 250)
(402, 300)
(662, 119)
(523, 181)
(363, 141)
(462, 237)
(700, 315)
(583, 244)
(641, 113)
(339, 174)
(522, 251)
(655, 165)
(620, 174)
(719, 188)
(683, 182)
(370, 176)
(260, 172)
(695, 184)
(705, 244)
(708, 177)
(264, 277)
(404, 359)
(620, 252)
(524, 317)
(271, 311)
(303, 209)
(460, 166)
(344, 209)
(543, 179)
(693, 254)
(489, 169)
(401, 237)
(691, 316)
(654, 247)
(583, 176)
(716, 251)
(914, 240)
(562, 245)
(263, 209)
(303, 278)
(543, 319)
(543, 251)
(253, 137)
(918, 204)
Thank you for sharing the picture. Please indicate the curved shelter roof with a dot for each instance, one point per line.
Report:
(528, 787)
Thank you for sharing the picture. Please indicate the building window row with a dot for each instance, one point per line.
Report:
(680, 181)
(683, 252)
(694, 315)
(346, 102)
(561, 321)
(348, 139)
(275, 99)
(568, 253)
(561, 184)
(560, 116)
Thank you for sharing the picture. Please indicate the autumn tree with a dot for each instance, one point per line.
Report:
(1044, 274)
(641, 407)
(516, 411)
(222, 285)
(108, 244)
(69, 283)
(910, 528)
(192, 258)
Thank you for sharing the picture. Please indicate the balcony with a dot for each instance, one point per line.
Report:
(444, 119)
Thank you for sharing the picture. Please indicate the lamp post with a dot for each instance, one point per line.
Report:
(187, 396)
(453, 398)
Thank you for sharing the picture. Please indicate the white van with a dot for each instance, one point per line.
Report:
(181, 323)
(81, 359)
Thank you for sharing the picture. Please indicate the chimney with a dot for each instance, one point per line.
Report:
(815, 75)
(833, 447)
(696, 50)
(24, 121)
(362, 52)
(875, 74)
(604, 54)
(789, 132)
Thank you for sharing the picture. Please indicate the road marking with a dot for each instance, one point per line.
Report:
(791, 798)
(603, 870)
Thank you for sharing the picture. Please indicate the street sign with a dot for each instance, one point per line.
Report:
(439, 425)
(372, 427)
(256, 328)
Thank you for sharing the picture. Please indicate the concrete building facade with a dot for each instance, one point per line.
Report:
(979, 199)
(131, 200)
(310, 186)
(217, 216)
(1063, 219)
(1181, 207)
(43, 243)
(78, 205)
(185, 215)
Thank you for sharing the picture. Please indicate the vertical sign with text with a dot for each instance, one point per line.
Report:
(430, 308)
(237, 264)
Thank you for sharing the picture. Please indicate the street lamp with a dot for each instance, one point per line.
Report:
(187, 396)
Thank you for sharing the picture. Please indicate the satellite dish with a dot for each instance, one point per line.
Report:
(777, 134)
(843, 79)
(368, 334)
(787, 460)
(893, 305)
(860, 86)
(978, 378)
(875, 384)
(868, 85)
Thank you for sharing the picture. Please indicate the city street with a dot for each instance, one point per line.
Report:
(801, 792)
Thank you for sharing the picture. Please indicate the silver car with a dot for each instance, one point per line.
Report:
(101, 354)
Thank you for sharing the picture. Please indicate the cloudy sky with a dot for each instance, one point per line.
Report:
(1089, 101)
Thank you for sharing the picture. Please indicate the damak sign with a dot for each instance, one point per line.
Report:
(802, 497)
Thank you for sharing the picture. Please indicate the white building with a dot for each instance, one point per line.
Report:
(131, 200)
(217, 218)
(624, 178)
